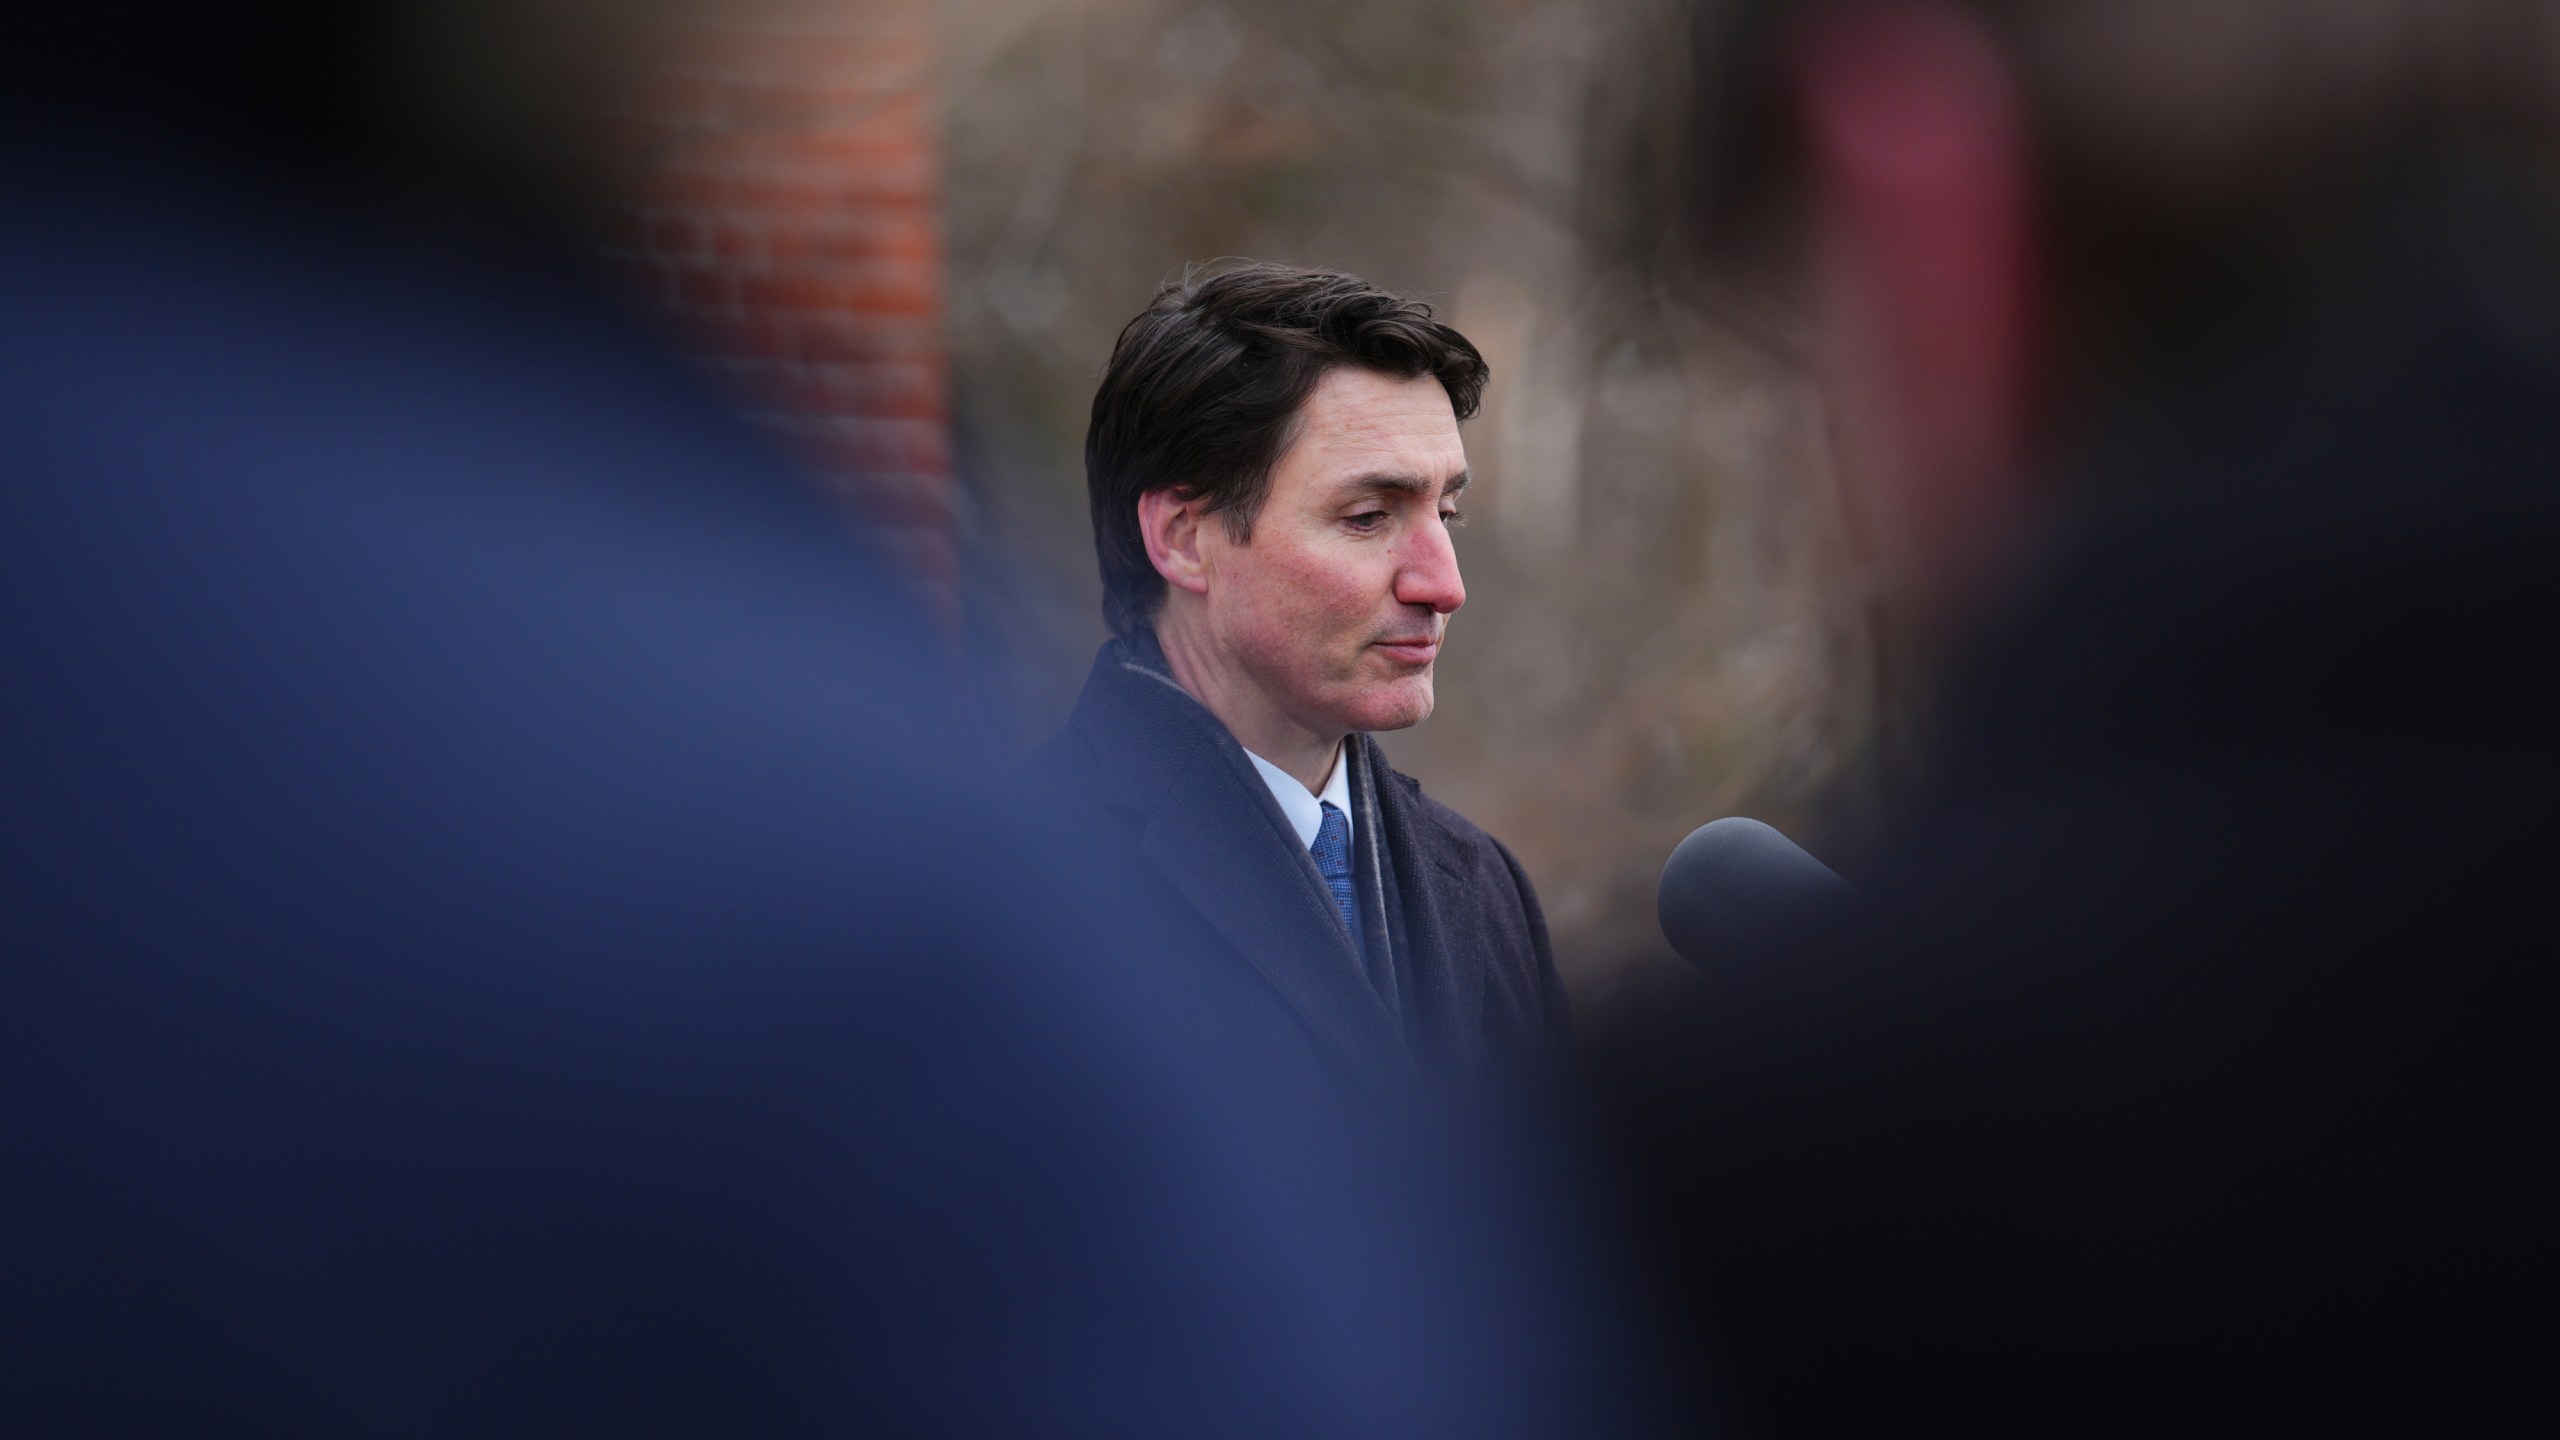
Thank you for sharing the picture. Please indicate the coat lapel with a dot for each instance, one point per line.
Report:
(1214, 831)
(1448, 999)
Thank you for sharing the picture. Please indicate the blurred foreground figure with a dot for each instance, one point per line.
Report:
(497, 938)
(2198, 371)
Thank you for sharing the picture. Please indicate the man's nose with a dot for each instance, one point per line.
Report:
(1428, 574)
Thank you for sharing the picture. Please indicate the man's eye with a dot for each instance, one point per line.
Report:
(1453, 517)
(1366, 520)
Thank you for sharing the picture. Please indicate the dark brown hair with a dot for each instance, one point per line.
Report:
(1202, 394)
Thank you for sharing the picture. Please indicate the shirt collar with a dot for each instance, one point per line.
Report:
(1304, 807)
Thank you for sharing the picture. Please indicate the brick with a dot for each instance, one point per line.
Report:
(820, 101)
(899, 129)
(879, 390)
(882, 287)
(758, 171)
(874, 447)
(700, 184)
(911, 390)
(860, 232)
(898, 115)
(867, 233)
(824, 340)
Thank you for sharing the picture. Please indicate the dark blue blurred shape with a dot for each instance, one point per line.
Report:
(501, 937)
(2183, 1063)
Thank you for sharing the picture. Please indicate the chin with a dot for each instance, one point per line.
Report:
(1398, 705)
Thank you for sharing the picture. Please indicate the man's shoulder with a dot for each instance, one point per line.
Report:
(1128, 736)
(1459, 845)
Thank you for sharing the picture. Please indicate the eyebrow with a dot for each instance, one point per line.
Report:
(1413, 485)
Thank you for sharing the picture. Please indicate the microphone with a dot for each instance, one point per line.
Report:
(1732, 882)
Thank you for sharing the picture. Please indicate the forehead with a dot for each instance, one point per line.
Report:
(1359, 422)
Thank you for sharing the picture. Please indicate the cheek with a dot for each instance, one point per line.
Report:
(1313, 596)
(1302, 616)
(1335, 598)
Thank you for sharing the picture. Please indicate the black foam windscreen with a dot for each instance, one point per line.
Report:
(1731, 882)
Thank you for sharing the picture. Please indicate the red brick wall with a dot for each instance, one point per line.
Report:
(787, 180)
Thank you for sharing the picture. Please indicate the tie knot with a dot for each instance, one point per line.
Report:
(1332, 849)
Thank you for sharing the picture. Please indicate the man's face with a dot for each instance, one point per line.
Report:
(1334, 610)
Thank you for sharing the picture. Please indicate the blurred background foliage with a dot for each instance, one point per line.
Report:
(1666, 620)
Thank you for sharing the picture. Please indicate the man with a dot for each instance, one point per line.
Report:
(2195, 369)
(1274, 466)
(497, 934)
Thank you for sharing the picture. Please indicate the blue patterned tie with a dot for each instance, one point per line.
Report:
(1333, 861)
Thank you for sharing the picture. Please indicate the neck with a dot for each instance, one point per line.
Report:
(1211, 676)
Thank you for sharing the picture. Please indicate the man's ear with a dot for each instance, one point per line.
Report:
(1172, 527)
(1930, 267)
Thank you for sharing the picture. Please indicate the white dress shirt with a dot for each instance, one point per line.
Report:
(1304, 807)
